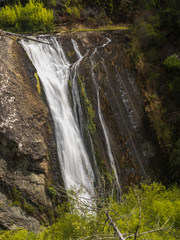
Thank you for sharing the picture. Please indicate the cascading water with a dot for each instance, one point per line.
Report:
(75, 93)
(54, 70)
(129, 107)
(78, 112)
(104, 127)
(109, 84)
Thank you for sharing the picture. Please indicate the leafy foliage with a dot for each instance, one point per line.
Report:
(155, 31)
(172, 65)
(32, 17)
(172, 62)
(149, 207)
(150, 212)
(20, 234)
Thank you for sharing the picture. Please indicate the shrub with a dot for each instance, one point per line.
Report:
(73, 8)
(175, 155)
(32, 17)
(172, 62)
(73, 12)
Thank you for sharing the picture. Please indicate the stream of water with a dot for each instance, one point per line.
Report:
(101, 118)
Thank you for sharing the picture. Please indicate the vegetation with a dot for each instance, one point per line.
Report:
(88, 106)
(38, 85)
(32, 17)
(148, 212)
(19, 200)
(154, 32)
(101, 28)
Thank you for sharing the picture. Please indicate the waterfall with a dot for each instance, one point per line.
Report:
(75, 146)
(54, 71)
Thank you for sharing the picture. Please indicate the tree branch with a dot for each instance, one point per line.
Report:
(120, 236)
(151, 231)
(4, 33)
(137, 228)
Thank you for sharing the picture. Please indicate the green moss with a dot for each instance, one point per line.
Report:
(70, 53)
(52, 191)
(38, 84)
(16, 194)
(29, 208)
(48, 126)
(88, 106)
(20, 201)
(16, 203)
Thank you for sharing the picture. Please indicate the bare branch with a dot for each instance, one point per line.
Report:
(120, 236)
(151, 231)
(99, 236)
(139, 204)
(4, 33)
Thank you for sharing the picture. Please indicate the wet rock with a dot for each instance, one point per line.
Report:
(28, 156)
(26, 141)
(12, 217)
(120, 100)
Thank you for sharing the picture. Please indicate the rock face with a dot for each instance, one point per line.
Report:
(106, 68)
(26, 141)
(28, 159)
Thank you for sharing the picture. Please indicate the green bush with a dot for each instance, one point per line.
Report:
(73, 8)
(32, 17)
(174, 161)
(172, 62)
(172, 65)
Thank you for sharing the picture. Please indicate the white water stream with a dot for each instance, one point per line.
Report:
(54, 71)
(101, 118)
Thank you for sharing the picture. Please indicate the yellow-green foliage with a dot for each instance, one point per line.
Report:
(19, 234)
(32, 17)
(73, 12)
(150, 207)
(38, 83)
(73, 8)
(172, 62)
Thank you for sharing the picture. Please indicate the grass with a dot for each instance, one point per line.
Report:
(84, 29)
